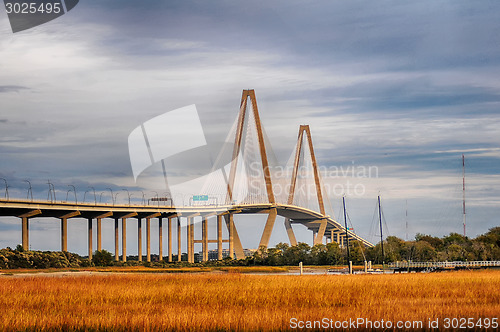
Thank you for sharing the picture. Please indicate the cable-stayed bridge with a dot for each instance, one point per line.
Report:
(251, 182)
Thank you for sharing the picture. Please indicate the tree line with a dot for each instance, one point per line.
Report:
(453, 247)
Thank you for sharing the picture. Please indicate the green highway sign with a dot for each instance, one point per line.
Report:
(198, 198)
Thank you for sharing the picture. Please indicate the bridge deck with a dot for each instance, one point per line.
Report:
(309, 218)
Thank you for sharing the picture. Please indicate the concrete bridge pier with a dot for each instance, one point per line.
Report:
(204, 231)
(26, 233)
(169, 238)
(25, 227)
(219, 237)
(335, 236)
(139, 239)
(318, 239)
(99, 240)
(235, 247)
(268, 228)
(290, 233)
(231, 235)
(332, 236)
(64, 229)
(99, 228)
(160, 238)
(148, 239)
(64, 234)
(124, 234)
(190, 240)
(90, 220)
(124, 239)
(117, 258)
(179, 238)
(148, 233)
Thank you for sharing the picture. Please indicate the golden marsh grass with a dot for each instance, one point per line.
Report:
(146, 302)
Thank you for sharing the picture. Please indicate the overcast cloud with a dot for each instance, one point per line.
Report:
(404, 86)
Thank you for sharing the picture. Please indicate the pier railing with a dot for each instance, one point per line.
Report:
(444, 265)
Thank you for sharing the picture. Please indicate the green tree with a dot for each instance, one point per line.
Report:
(455, 238)
(436, 242)
(394, 246)
(424, 252)
(102, 258)
(296, 254)
(333, 253)
(356, 252)
(487, 246)
(456, 252)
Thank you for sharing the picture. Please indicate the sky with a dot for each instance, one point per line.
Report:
(402, 87)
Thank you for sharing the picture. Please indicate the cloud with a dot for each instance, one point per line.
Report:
(404, 87)
(12, 88)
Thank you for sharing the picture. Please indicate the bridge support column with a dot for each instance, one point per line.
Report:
(64, 234)
(188, 239)
(25, 233)
(204, 237)
(231, 236)
(64, 229)
(160, 238)
(219, 237)
(99, 242)
(124, 240)
(337, 237)
(321, 233)
(139, 239)
(268, 229)
(179, 238)
(188, 248)
(191, 240)
(234, 238)
(25, 227)
(117, 254)
(148, 239)
(90, 238)
(169, 225)
(289, 231)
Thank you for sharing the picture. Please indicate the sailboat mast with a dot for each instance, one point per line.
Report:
(463, 189)
(381, 236)
(346, 235)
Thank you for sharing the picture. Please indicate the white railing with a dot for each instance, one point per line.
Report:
(445, 265)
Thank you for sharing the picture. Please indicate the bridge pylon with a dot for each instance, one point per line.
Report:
(249, 113)
(304, 145)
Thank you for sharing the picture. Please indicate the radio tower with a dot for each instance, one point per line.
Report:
(463, 188)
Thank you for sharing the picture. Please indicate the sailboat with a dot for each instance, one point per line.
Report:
(381, 235)
(347, 236)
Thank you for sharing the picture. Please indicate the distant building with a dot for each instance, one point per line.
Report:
(213, 254)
